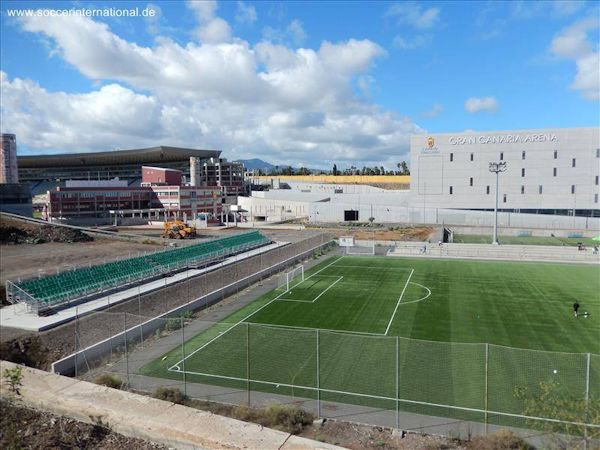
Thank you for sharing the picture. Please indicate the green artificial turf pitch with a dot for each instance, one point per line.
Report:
(442, 311)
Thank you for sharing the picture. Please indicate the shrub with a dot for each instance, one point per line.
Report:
(172, 395)
(110, 381)
(287, 418)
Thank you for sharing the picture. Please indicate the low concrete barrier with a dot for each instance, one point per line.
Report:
(147, 418)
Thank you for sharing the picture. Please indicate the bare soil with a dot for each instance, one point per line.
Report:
(399, 233)
(26, 260)
(22, 427)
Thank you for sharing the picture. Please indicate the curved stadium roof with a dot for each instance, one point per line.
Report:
(152, 155)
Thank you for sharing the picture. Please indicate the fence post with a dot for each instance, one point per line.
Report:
(318, 380)
(126, 349)
(587, 402)
(140, 314)
(183, 354)
(248, 363)
(76, 337)
(487, 358)
(397, 384)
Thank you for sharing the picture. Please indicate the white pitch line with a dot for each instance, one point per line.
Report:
(316, 298)
(399, 300)
(247, 317)
(375, 267)
(329, 287)
(330, 330)
(420, 299)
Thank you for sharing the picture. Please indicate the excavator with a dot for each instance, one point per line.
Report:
(178, 229)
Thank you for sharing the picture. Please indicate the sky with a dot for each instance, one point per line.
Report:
(300, 83)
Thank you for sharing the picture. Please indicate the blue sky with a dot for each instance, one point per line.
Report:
(295, 82)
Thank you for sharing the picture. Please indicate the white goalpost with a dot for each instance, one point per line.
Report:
(286, 278)
(356, 247)
(361, 248)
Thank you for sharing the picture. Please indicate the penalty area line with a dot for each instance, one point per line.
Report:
(399, 300)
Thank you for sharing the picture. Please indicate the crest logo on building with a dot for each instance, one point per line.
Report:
(430, 142)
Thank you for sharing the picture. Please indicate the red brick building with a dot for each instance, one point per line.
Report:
(161, 176)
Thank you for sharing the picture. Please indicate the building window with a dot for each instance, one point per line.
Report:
(523, 172)
(487, 190)
(572, 189)
(598, 153)
(501, 156)
(573, 162)
(472, 156)
(597, 179)
(451, 190)
(471, 181)
(595, 198)
(523, 154)
(540, 189)
(554, 171)
(451, 157)
(555, 154)
(522, 189)
(504, 198)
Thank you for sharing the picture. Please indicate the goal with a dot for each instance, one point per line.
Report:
(361, 248)
(287, 278)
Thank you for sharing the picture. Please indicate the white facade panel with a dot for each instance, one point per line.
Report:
(550, 169)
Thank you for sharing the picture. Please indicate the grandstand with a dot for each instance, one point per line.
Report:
(41, 294)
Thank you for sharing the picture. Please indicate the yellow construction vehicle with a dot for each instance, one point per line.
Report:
(178, 229)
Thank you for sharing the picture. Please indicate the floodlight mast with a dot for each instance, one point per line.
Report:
(496, 167)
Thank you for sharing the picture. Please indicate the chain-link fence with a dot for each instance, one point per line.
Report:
(456, 389)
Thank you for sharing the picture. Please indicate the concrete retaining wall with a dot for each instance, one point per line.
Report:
(147, 418)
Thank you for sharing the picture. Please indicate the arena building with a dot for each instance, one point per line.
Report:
(124, 164)
(548, 171)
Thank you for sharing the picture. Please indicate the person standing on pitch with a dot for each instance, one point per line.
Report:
(575, 308)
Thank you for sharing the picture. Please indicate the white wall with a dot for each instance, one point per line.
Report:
(433, 172)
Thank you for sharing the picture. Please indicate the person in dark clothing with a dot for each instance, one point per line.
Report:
(575, 308)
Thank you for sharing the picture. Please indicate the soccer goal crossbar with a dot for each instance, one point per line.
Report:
(286, 279)
(361, 248)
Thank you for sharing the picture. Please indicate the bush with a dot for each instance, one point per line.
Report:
(172, 395)
(287, 418)
(110, 381)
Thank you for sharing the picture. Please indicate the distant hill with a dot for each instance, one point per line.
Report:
(255, 163)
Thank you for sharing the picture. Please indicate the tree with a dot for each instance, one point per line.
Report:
(404, 170)
(335, 170)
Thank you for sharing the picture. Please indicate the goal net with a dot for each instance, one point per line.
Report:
(286, 279)
(361, 248)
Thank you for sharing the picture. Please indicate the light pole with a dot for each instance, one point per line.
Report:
(496, 167)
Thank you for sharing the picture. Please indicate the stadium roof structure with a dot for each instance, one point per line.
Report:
(141, 156)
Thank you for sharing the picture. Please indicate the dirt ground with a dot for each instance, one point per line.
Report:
(25, 260)
(384, 234)
(22, 427)
(358, 437)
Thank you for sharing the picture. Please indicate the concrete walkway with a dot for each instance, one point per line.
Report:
(146, 418)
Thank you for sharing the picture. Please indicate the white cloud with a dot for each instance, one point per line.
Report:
(212, 29)
(418, 41)
(293, 33)
(481, 104)
(245, 13)
(267, 100)
(414, 14)
(572, 43)
(152, 22)
(435, 111)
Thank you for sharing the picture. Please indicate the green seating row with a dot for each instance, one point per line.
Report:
(77, 283)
